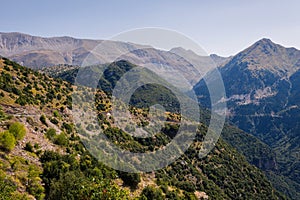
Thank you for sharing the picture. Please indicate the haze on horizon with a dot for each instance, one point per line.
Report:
(224, 28)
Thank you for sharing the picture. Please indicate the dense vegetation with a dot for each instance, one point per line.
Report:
(9, 137)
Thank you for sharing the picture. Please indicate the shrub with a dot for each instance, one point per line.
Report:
(130, 179)
(51, 133)
(170, 130)
(7, 141)
(54, 121)
(172, 195)
(61, 140)
(2, 114)
(187, 186)
(68, 127)
(152, 193)
(7, 186)
(16, 91)
(29, 147)
(58, 97)
(36, 146)
(22, 100)
(34, 186)
(30, 121)
(18, 130)
(56, 114)
(43, 119)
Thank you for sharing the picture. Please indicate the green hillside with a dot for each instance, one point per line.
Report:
(50, 162)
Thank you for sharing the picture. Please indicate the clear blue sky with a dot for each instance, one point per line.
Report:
(223, 27)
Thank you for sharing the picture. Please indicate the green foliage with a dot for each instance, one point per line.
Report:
(223, 174)
(68, 127)
(7, 187)
(74, 185)
(6, 82)
(18, 130)
(189, 196)
(28, 147)
(56, 114)
(130, 179)
(186, 186)
(43, 119)
(151, 94)
(2, 114)
(170, 129)
(152, 193)
(34, 186)
(67, 178)
(7, 141)
(51, 134)
(61, 139)
(54, 121)
(22, 100)
(30, 121)
(262, 156)
(172, 195)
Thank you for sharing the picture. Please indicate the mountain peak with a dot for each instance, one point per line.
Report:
(262, 48)
(267, 55)
(265, 46)
(265, 41)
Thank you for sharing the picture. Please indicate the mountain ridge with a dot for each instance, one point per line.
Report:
(261, 84)
(24, 49)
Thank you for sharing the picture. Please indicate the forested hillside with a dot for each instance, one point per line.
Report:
(43, 157)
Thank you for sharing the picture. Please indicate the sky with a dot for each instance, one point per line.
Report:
(224, 27)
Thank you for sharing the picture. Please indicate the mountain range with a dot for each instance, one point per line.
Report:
(260, 82)
(37, 53)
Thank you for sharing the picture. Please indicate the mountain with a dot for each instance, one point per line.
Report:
(262, 91)
(42, 156)
(266, 55)
(37, 53)
(40, 53)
